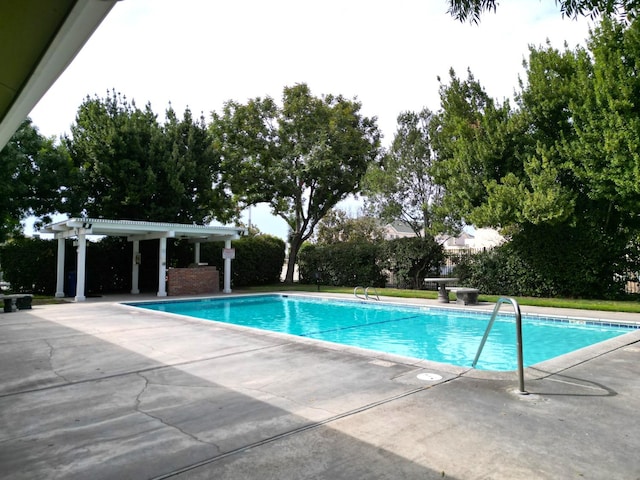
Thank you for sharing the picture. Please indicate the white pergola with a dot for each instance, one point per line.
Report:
(135, 231)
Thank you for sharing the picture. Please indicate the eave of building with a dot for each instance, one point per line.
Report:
(38, 40)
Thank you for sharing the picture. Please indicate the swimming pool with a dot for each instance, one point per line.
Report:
(429, 333)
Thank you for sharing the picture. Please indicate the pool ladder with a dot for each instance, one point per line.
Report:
(516, 309)
(366, 293)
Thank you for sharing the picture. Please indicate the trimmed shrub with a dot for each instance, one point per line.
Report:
(549, 262)
(412, 259)
(341, 264)
(259, 259)
(29, 265)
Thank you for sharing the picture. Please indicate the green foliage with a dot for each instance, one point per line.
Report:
(29, 265)
(501, 271)
(35, 174)
(547, 262)
(402, 188)
(301, 158)
(559, 173)
(474, 146)
(130, 166)
(412, 259)
(259, 260)
(337, 227)
(108, 268)
(472, 10)
(349, 263)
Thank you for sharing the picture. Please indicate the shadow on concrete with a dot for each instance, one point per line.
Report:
(76, 406)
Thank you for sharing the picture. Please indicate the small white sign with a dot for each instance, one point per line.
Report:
(229, 253)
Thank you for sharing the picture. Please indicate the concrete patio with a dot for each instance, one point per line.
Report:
(99, 390)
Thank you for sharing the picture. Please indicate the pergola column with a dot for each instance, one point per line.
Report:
(135, 268)
(196, 249)
(162, 268)
(81, 264)
(60, 271)
(227, 269)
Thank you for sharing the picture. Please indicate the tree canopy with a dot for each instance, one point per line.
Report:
(34, 180)
(472, 10)
(338, 227)
(130, 166)
(563, 163)
(301, 157)
(401, 189)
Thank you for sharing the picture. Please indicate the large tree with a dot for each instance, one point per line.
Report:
(133, 167)
(473, 145)
(402, 189)
(301, 157)
(338, 227)
(472, 10)
(34, 179)
(563, 164)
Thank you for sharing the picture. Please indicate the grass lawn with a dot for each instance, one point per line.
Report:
(628, 306)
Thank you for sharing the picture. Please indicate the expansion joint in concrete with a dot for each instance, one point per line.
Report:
(138, 408)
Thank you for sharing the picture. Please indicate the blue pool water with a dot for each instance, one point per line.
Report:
(436, 334)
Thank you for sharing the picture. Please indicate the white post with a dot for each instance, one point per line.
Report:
(135, 268)
(60, 276)
(227, 270)
(82, 261)
(162, 268)
(197, 253)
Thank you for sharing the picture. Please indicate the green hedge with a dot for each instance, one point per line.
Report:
(340, 264)
(553, 262)
(259, 260)
(365, 263)
(413, 259)
(30, 264)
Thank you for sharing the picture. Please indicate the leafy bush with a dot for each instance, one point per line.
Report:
(340, 264)
(259, 259)
(550, 262)
(29, 265)
(502, 272)
(412, 259)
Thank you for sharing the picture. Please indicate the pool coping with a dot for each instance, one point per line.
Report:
(537, 371)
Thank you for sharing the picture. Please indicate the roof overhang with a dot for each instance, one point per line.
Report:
(38, 40)
(138, 230)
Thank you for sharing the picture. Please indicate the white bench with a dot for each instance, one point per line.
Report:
(464, 295)
(11, 303)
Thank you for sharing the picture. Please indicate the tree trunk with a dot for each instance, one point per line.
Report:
(293, 258)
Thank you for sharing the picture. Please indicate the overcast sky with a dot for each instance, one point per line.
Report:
(388, 54)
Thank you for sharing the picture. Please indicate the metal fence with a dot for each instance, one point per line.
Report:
(453, 257)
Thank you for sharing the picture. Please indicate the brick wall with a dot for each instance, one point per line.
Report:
(193, 281)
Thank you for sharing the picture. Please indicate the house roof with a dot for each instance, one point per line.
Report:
(38, 40)
(400, 226)
(139, 230)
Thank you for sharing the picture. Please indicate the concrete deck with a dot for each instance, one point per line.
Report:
(98, 390)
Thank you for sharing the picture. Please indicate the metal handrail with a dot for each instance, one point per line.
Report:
(366, 293)
(516, 308)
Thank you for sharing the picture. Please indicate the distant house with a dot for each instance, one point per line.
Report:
(475, 239)
(398, 229)
(482, 238)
